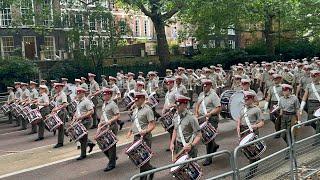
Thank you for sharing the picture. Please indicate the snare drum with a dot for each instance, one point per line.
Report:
(5, 108)
(166, 120)
(128, 100)
(77, 131)
(106, 140)
(72, 106)
(52, 105)
(53, 122)
(152, 100)
(139, 153)
(34, 116)
(208, 132)
(190, 170)
(254, 150)
(25, 112)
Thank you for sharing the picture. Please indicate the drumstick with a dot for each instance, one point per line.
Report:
(172, 156)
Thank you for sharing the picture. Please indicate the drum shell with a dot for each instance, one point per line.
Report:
(133, 155)
(110, 136)
(72, 131)
(181, 174)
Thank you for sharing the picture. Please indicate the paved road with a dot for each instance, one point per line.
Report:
(92, 167)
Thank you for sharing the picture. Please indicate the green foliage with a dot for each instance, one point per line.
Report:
(258, 48)
(299, 48)
(16, 69)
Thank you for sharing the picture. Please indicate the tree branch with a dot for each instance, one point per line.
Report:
(144, 9)
(172, 12)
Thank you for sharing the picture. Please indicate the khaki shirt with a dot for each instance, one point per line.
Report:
(278, 90)
(265, 76)
(84, 106)
(61, 99)
(84, 86)
(211, 100)
(236, 87)
(18, 93)
(104, 83)
(151, 86)
(170, 97)
(43, 98)
(189, 126)
(109, 110)
(254, 115)
(182, 89)
(289, 104)
(145, 116)
(311, 94)
(94, 87)
(304, 81)
(10, 97)
(52, 92)
(34, 94)
(66, 89)
(132, 84)
(115, 90)
(25, 94)
(184, 78)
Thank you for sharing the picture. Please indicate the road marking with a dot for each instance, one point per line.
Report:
(63, 160)
(8, 133)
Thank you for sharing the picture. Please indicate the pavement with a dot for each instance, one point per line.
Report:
(23, 158)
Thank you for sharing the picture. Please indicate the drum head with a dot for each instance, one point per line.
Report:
(317, 113)
(246, 139)
(181, 159)
(134, 145)
(203, 125)
(235, 104)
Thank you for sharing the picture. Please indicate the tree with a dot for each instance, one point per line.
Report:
(272, 18)
(159, 11)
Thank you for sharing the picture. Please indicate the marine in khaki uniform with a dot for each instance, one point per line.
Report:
(143, 126)
(25, 98)
(83, 115)
(209, 106)
(116, 94)
(265, 77)
(131, 83)
(304, 81)
(84, 85)
(10, 100)
(52, 90)
(250, 120)
(77, 82)
(44, 82)
(191, 85)
(236, 85)
(289, 110)
(61, 104)
(181, 89)
(186, 134)
(43, 104)
(34, 95)
(311, 97)
(109, 117)
(273, 96)
(152, 85)
(104, 82)
(93, 92)
(17, 98)
(181, 72)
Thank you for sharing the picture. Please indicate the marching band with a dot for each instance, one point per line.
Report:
(288, 88)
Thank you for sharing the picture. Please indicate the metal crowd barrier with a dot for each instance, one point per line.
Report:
(265, 164)
(306, 152)
(213, 155)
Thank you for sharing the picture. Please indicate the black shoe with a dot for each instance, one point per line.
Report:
(78, 147)
(54, 132)
(109, 168)
(17, 125)
(21, 129)
(94, 127)
(207, 162)
(81, 158)
(167, 150)
(121, 125)
(91, 145)
(217, 147)
(39, 139)
(58, 145)
(151, 175)
(277, 136)
(31, 133)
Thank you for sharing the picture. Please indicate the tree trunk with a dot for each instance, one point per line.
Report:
(269, 36)
(162, 43)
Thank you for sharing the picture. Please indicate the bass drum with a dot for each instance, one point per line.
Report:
(231, 104)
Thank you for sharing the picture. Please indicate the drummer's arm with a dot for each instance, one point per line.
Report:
(238, 127)
(196, 139)
(214, 111)
(114, 118)
(173, 139)
(86, 115)
(260, 124)
(197, 109)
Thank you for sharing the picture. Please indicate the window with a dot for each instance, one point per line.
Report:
(93, 43)
(137, 29)
(7, 45)
(222, 44)
(122, 25)
(92, 24)
(5, 17)
(231, 32)
(82, 44)
(47, 8)
(49, 47)
(65, 19)
(104, 23)
(78, 21)
(26, 9)
(91, 2)
(232, 44)
(146, 27)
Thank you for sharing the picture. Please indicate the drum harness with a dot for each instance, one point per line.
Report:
(315, 91)
(183, 140)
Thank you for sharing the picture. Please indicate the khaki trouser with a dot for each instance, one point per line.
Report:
(62, 115)
(112, 152)
(87, 123)
(147, 139)
(44, 112)
(287, 121)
